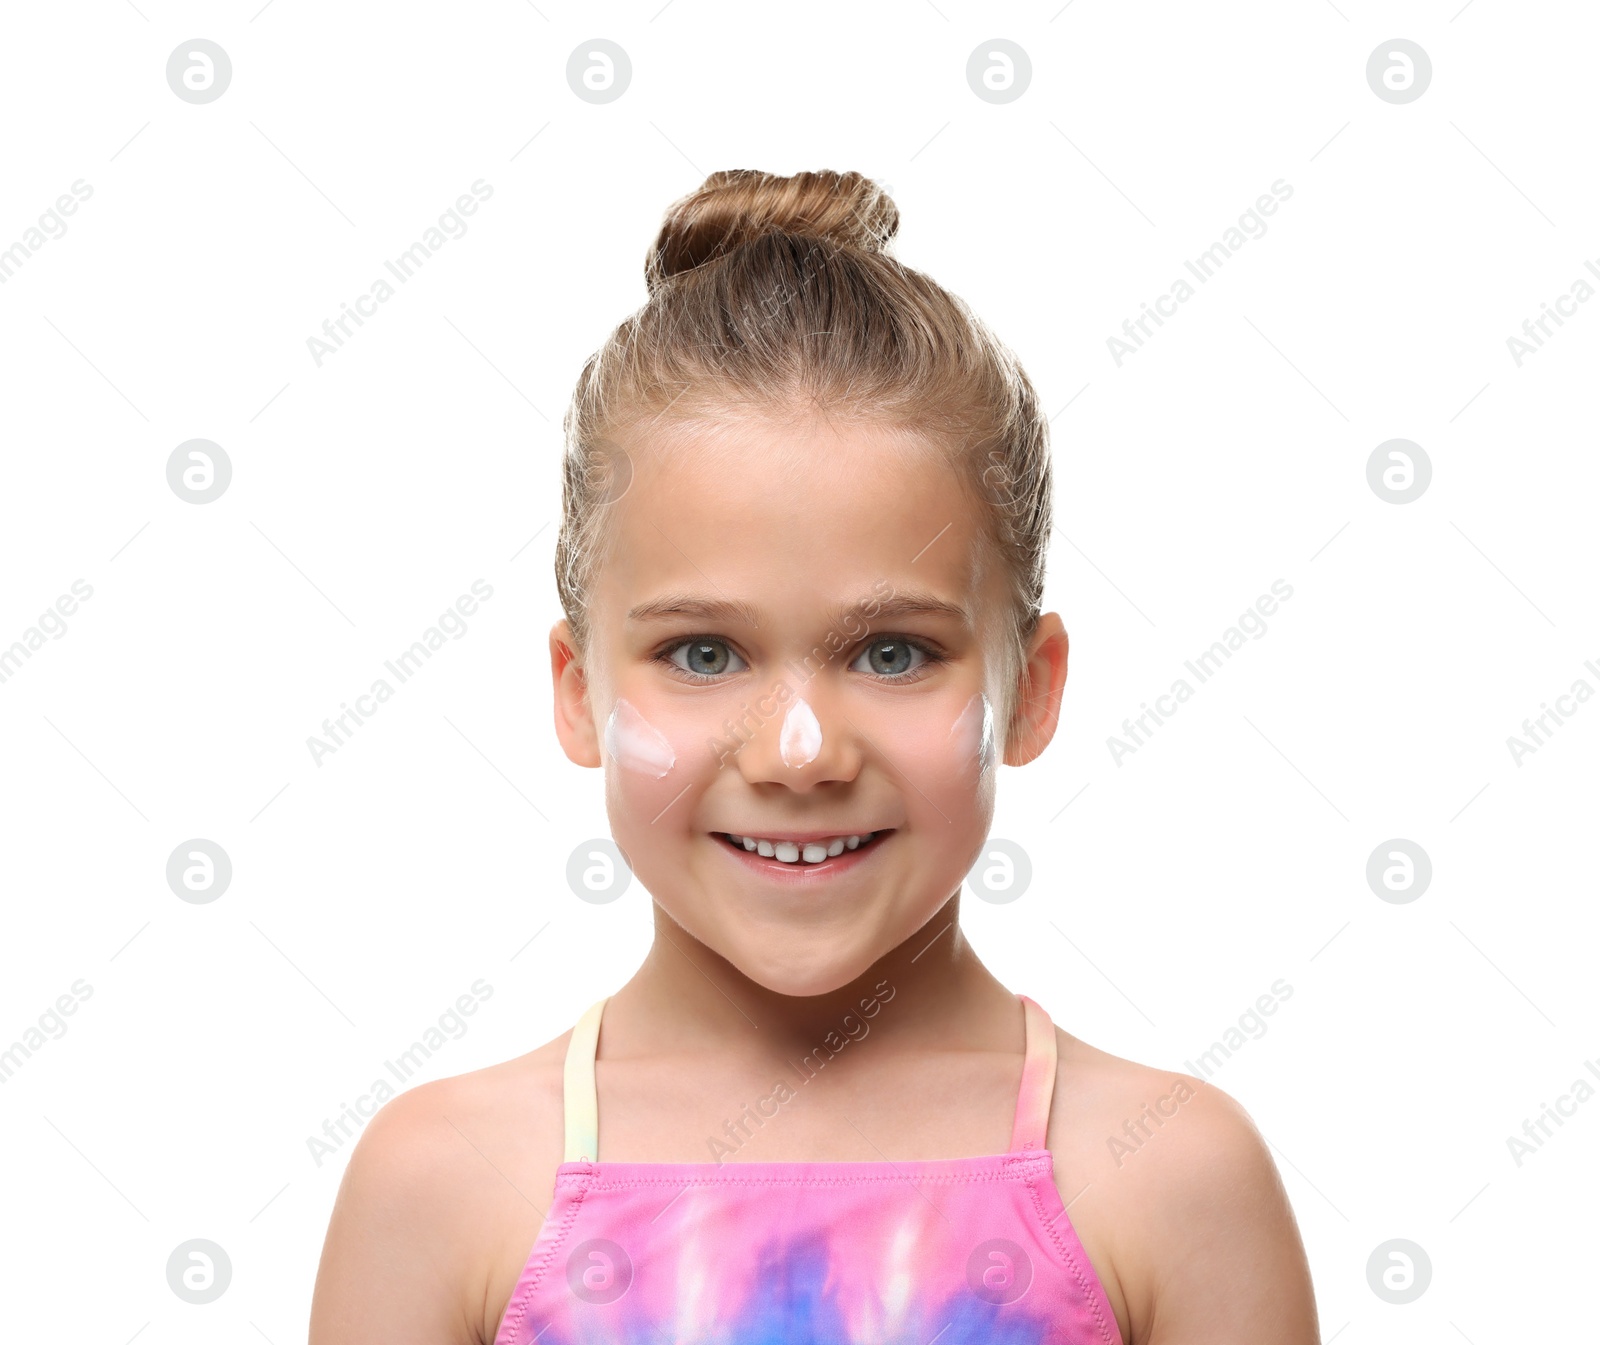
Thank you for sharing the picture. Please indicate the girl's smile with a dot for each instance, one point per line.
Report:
(805, 862)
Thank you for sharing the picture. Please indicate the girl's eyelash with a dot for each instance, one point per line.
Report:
(931, 657)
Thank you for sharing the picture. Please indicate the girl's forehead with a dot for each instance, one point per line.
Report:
(811, 470)
(796, 523)
(837, 513)
(799, 443)
(642, 595)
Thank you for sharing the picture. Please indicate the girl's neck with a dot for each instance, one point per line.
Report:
(931, 993)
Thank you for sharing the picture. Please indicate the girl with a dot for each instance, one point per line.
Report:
(806, 508)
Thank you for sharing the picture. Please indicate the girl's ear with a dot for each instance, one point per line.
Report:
(574, 717)
(1039, 688)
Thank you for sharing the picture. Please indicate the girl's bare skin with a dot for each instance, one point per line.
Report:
(1191, 1232)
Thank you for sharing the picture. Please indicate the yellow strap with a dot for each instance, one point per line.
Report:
(578, 1098)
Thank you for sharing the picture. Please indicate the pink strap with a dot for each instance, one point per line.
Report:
(1038, 1078)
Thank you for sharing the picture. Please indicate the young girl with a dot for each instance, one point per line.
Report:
(806, 509)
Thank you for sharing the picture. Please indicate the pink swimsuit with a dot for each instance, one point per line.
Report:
(949, 1251)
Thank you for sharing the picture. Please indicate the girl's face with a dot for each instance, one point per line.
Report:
(795, 635)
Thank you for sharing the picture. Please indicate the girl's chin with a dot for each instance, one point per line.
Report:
(804, 963)
(808, 987)
(798, 963)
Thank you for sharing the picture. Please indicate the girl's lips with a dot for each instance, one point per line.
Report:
(799, 871)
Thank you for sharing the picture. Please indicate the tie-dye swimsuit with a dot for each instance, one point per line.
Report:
(958, 1251)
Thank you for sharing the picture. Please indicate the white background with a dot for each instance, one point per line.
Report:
(1168, 891)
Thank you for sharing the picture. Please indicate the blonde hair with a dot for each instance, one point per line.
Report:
(771, 296)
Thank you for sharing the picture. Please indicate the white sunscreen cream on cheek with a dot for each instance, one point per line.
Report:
(801, 737)
(973, 732)
(633, 742)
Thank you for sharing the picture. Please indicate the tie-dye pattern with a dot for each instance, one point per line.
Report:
(958, 1251)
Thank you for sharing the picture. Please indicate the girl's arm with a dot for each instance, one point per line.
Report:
(398, 1261)
(1216, 1253)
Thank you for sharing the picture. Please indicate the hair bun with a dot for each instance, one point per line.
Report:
(739, 205)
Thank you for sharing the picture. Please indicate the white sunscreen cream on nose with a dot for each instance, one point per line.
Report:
(801, 738)
(974, 731)
(634, 742)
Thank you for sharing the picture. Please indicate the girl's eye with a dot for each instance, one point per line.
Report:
(705, 657)
(892, 659)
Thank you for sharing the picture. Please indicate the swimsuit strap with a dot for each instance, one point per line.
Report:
(581, 1109)
(579, 1102)
(1038, 1078)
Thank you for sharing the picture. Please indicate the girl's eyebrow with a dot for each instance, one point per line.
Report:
(912, 602)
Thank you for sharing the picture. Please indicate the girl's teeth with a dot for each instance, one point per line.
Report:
(791, 852)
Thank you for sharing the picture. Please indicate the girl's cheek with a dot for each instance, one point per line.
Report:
(949, 755)
(972, 735)
(636, 744)
(660, 760)
(654, 756)
(955, 740)
(963, 776)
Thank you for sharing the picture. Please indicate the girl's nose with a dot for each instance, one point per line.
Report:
(806, 741)
(800, 735)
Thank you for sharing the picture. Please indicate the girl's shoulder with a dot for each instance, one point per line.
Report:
(1174, 1194)
(443, 1196)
